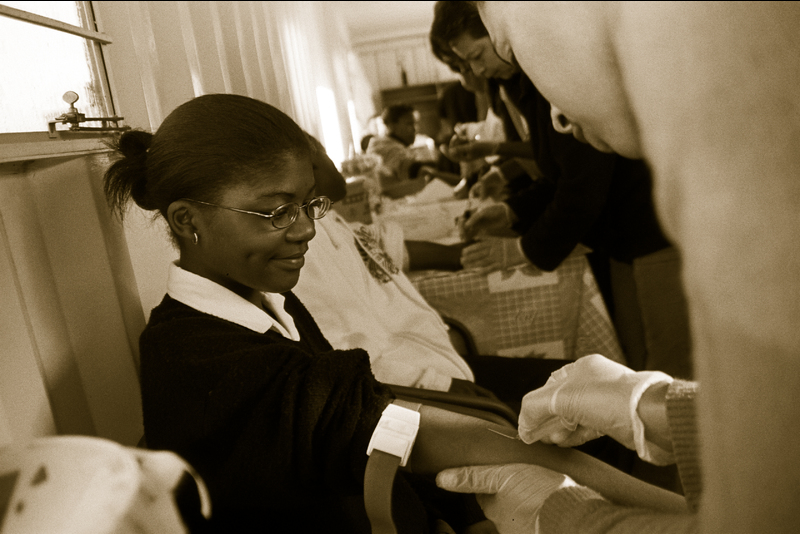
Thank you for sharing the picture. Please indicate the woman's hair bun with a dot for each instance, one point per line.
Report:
(134, 143)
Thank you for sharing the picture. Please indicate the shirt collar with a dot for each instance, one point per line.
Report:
(209, 297)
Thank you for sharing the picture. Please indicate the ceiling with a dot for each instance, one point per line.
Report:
(371, 21)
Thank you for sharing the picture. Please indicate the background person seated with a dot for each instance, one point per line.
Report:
(360, 297)
(403, 170)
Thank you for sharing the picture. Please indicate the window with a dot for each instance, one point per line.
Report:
(47, 49)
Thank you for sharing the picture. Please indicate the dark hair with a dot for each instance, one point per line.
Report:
(205, 145)
(395, 112)
(445, 54)
(452, 19)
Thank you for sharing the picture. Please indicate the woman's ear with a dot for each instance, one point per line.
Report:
(182, 219)
(561, 123)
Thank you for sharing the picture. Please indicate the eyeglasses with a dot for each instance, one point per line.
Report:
(283, 216)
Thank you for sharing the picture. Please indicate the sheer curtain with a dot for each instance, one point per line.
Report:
(326, 81)
(78, 286)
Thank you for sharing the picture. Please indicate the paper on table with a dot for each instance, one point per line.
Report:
(435, 191)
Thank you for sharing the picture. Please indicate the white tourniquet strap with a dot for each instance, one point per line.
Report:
(388, 449)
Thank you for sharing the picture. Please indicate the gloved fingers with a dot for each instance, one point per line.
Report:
(553, 430)
(536, 417)
(481, 258)
(483, 219)
(478, 191)
(567, 438)
(483, 267)
(597, 366)
(484, 479)
(478, 254)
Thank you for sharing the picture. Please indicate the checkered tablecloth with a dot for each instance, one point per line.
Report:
(525, 312)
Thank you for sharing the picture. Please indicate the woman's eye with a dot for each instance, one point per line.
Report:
(279, 211)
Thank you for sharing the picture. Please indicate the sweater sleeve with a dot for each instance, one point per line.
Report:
(581, 192)
(262, 418)
(582, 177)
(683, 433)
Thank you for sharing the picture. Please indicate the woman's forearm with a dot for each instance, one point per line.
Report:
(447, 439)
(515, 149)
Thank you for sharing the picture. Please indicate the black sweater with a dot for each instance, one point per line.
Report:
(586, 196)
(278, 429)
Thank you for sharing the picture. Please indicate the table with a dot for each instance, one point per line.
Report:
(525, 312)
(522, 312)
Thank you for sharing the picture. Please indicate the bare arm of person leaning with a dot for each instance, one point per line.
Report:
(591, 397)
(447, 440)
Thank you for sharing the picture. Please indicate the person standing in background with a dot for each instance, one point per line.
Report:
(585, 197)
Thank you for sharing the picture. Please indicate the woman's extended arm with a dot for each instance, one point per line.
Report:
(447, 439)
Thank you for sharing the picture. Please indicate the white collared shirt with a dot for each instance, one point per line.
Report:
(209, 297)
(375, 308)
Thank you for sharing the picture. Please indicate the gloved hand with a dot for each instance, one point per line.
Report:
(510, 495)
(492, 184)
(491, 254)
(591, 397)
(495, 219)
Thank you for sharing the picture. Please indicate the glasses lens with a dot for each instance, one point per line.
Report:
(284, 215)
(318, 207)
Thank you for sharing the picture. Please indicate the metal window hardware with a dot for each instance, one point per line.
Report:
(75, 118)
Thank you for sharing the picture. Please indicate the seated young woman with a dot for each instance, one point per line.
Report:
(235, 375)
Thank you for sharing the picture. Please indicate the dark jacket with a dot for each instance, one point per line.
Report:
(603, 201)
(277, 428)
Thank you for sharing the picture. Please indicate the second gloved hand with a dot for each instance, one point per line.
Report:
(491, 184)
(491, 254)
(591, 397)
(496, 219)
(510, 495)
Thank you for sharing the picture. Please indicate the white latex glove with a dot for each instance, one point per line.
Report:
(510, 495)
(491, 184)
(491, 254)
(495, 219)
(588, 398)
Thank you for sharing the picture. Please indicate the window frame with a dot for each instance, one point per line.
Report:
(24, 146)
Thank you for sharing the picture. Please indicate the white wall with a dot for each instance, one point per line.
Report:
(70, 318)
(390, 36)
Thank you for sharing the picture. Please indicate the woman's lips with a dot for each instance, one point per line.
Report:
(294, 261)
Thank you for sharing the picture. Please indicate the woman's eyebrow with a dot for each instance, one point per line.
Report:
(286, 194)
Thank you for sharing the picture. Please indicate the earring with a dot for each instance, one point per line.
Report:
(196, 238)
(561, 123)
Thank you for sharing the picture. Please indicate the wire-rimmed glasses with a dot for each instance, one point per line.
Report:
(283, 216)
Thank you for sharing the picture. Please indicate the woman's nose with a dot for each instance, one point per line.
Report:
(477, 68)
(302, 229)
(560, 122)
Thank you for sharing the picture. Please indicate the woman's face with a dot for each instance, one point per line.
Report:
(564, 49)
(246, 253)
(482, 58)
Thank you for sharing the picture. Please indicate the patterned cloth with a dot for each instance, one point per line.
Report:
(525, 312)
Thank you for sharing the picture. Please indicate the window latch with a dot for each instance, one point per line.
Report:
(74, 118)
